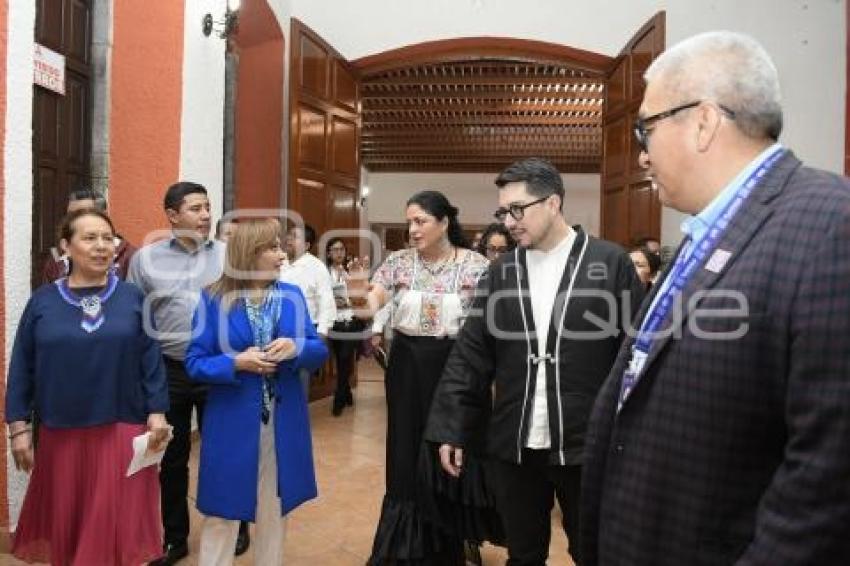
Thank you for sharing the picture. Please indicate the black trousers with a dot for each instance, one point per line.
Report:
(344, 338)
(184, 395)
(524, 498)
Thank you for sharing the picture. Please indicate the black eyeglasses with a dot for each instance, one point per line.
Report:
(641, 126)
(517, 211)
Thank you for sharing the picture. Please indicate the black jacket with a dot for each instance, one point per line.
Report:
(496, 350)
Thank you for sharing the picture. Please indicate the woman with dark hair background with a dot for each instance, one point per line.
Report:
(346, 332)
(646, 264)
(426, 515)
(495, 241)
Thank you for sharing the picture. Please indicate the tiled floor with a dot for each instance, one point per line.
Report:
(337, 528)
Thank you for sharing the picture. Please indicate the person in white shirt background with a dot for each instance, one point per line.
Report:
(309, 274)
(347, 331)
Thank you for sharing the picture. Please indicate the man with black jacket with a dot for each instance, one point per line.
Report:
(542, 334)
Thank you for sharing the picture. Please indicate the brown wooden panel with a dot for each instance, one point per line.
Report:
(614, 164)
(617, 86)
(641, 197)
(627, 211)
(615, 216)
(344, 146)
(46, 119)
(645, 49)
(345, 86)
(314, 67)
(77, 102)
(61, 124)
(49, 23)
(312, 132)
(78, 38)
(342, 209)
(46, 181)
(324, 146)
(394, 239)
(463, 49)
(310, 200)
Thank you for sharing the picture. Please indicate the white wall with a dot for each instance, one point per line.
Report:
(474, 194)
(17, 205)
(805, 37)
(202, 119)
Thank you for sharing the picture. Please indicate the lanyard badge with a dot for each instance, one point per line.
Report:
(689, 259)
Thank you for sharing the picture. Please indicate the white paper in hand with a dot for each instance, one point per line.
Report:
(142, 457)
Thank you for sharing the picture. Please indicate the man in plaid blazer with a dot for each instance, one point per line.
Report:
(722, 434)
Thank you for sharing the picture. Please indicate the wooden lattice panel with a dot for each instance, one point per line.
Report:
(480, 116)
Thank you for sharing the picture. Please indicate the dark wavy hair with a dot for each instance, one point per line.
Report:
(495, 228)
(437, 205)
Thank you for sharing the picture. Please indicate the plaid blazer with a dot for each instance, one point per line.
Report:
(737, 450)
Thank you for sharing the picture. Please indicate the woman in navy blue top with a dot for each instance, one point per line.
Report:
(83, 362)
(253, 335)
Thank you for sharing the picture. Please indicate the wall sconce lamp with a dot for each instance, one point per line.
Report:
(226, 26)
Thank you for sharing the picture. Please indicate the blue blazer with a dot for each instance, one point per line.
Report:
(228, 474)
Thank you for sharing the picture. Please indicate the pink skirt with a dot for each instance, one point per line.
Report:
(80, 509)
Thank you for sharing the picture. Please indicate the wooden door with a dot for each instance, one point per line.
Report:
(324, 142)
(630, 208)
(61, 124)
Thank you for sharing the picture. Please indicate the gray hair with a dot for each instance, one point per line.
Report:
(87, 193)
(729, 68)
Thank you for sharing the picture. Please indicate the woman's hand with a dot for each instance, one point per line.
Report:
(255, 360)
(359, 287)
(20, 435)
(377, 339)
(280, 349)
(160, 432)
(358, 280)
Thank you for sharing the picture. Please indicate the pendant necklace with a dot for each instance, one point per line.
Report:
(91, 305)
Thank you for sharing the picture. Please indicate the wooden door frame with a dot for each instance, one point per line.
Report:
(471, 48)
(633, 174)
(332, 104)
(89, 70)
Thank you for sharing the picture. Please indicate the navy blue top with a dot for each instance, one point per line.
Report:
(75, 379)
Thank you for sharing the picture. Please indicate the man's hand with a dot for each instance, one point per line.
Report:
(451, 458)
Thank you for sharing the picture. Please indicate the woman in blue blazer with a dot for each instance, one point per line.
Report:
(252, 336)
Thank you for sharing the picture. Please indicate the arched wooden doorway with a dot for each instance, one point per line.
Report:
(476, 104)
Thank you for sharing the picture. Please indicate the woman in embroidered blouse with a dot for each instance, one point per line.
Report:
(83, 362)
(430, 286)
(252, 336)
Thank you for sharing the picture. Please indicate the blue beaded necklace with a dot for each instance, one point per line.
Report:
(91, 305)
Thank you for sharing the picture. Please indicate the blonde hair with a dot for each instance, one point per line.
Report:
(248, 241)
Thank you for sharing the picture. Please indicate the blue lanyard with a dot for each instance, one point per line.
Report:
(687, 263)
(684, 267)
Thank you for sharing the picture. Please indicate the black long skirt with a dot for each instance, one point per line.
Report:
(425, 515)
